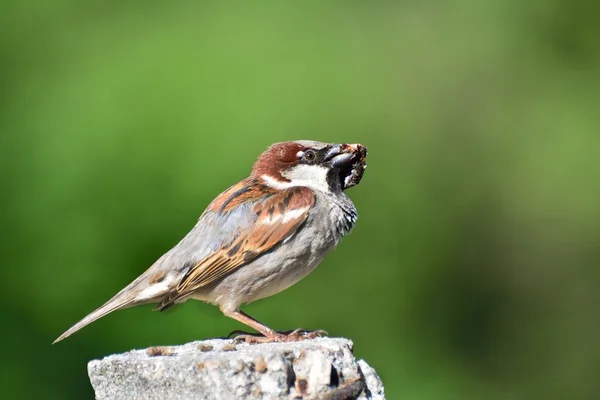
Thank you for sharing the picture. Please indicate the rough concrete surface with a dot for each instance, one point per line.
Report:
(322, 368)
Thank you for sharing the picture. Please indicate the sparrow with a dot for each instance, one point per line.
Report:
(257, 238)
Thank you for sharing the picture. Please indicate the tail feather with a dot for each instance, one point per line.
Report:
(127, 297)
(149, 287)
(116, 303)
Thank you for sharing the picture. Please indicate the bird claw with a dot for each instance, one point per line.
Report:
(295, 335)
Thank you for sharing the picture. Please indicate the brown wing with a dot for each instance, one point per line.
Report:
(277, 218)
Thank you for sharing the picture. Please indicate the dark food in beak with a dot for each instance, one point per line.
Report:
(354, 156)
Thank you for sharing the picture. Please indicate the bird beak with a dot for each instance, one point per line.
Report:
(344, 154)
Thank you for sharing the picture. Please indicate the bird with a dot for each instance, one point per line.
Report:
(257, 238)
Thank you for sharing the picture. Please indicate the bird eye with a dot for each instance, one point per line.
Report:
(309, 155)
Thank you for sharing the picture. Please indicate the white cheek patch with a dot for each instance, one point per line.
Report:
(274, 183)
(312, 176)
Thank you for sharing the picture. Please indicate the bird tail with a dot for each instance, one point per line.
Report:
(128, 297)
(112, 305)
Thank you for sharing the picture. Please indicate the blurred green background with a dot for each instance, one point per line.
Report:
(473, 270)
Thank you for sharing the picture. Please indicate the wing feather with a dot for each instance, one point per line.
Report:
(277, 218)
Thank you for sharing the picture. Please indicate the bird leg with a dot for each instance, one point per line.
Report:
(268, 335)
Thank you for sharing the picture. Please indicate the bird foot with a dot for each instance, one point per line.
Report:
(295, 335)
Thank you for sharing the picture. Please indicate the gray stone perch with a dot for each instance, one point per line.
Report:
(322, 368)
